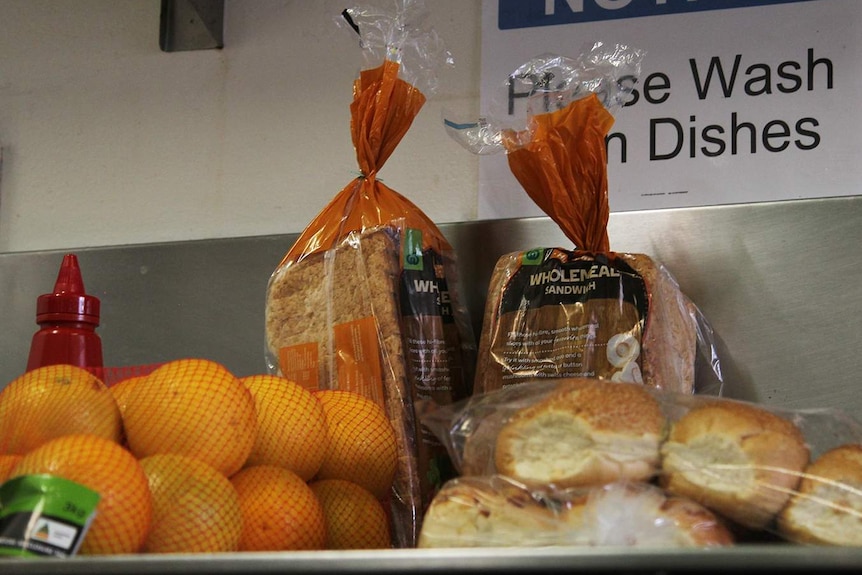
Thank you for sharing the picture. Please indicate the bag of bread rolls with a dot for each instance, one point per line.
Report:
(366, 299)
(766, 472)
(553, 311)
(495, 511)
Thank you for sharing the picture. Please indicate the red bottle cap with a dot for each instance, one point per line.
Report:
(68, 302)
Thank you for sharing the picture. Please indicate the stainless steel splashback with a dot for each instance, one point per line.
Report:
(780, 283)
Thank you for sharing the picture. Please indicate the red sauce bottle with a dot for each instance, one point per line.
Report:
(67, 322)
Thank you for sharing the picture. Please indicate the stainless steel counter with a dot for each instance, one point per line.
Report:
(752, 559)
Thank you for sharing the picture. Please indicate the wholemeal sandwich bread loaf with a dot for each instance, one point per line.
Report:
(827, 507)
(366, 300)
(330, 288)
(739, 460)
(347, 289)
(351, 283)
(362, 316)
(555, 313)
(494, 511)
(588, 432)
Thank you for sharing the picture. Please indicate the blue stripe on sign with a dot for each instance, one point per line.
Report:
(513, 14)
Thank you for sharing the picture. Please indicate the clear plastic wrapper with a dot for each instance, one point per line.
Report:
(584, 310)
(398, 30)
(367, 298)
(548, 82)
(793, 475)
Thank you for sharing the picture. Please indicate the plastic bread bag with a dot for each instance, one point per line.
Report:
(554, 311)
(790, 474)
(367, 297)
(496, 511)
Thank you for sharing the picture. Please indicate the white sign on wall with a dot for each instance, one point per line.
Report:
(738, 100)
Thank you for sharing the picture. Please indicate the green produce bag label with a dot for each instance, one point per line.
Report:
(43, 515)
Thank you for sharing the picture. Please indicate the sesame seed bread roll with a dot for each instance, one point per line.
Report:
(737, 459)
(589, 432)
(827, 508)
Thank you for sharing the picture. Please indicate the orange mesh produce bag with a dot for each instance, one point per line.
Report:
(366, 299)
(158, 448)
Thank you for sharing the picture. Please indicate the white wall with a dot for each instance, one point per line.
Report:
(107, 140)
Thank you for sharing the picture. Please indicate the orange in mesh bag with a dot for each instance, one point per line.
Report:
(124, 513)
(279, 510)
(292, 427)
(366, 300)
(195, 507)
(194, 407)
(585, 312)
(52, 401)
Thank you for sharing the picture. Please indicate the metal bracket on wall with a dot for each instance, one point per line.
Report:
(191, 25)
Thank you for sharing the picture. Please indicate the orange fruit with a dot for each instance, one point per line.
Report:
(53, 401)
(121, 391)
(7, 463)
(123, 388)
(193, 407)
(195, 507)
(355, 519)
(124, 513)
(362, 444)
(279, 511)
(291, 425)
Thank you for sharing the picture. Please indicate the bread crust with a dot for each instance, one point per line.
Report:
(356, 279)
(588, 432)
(482, 511)
(740, 460)
(670, 336)
(827, 507)
(696, 524)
